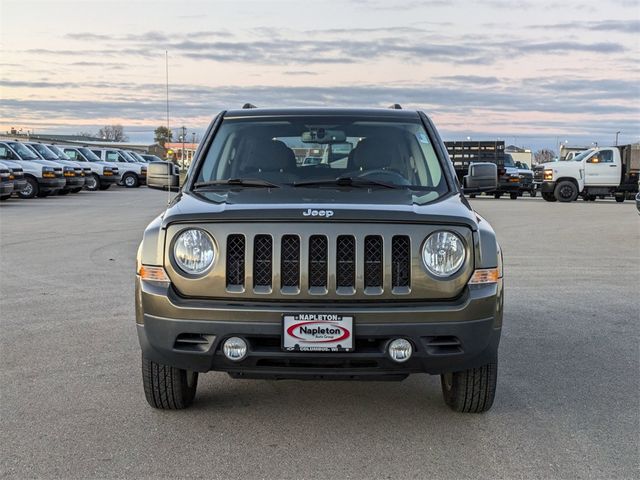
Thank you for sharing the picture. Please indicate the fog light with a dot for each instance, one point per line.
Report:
(234, 348)
(400, 350)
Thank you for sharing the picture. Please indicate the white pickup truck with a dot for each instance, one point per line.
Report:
(594, 172)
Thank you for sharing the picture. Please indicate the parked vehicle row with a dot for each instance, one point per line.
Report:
(33, 169)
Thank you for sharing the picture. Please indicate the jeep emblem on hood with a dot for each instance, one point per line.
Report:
(318, 213)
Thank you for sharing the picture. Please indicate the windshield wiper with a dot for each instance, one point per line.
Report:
(240, 182)
(348, 182)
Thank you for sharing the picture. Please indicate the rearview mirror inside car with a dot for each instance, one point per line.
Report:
(320, 135)
(163, 176)
(481, 177)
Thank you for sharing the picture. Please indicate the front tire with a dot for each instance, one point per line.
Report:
(30, 190)
(166, 387)
(472, 390)
(548, 196)
(566, 191)
(619, 198)
(130, 180)
(513, 196)
(64, 191)
(4, 197)
(105, 187)
(76, 190)
(497, 195)
(92, 183)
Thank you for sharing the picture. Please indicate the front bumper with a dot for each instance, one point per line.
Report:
(6, 188)
(19, 184)
(446, 336)
(51, 184)
(109, 179)
(548, 187)
(74, 182)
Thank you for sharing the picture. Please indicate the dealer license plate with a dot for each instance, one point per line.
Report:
(317, 332)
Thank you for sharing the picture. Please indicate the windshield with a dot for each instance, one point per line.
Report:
(59, 152)
(136, 156)
(315, 150)
(151, 158)
(23, 152)
(583, 155)
(43, 151)
(508, 161)
(127, 157)
(89, 155)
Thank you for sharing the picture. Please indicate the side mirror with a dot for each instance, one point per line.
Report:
(481, 177)
(163, 176)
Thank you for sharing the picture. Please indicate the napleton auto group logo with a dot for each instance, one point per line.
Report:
(318, 331)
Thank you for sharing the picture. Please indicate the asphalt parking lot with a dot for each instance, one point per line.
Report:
(72, 404)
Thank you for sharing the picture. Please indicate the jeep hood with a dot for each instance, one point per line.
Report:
(347, 205)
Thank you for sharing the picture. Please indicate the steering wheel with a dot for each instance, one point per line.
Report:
(391, 175)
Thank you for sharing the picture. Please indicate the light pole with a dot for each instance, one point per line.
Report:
(182, 137)
(617, 133)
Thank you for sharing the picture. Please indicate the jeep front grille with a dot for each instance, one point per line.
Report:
(290, 262)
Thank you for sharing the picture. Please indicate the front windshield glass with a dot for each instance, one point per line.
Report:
(303, 149)
(583, 155)
(44, 151)
(508, 161)
(136, 156)
(23, 152)
(89, 155)
(59, 152)
(127, 157)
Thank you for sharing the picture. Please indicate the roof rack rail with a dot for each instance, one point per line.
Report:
(395, 106)
(248, 105)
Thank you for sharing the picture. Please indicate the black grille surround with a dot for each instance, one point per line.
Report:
(345, 261)
(373, 268)
(290, 261)
(318, 261)
(235, 261)
(262, 262)
(401, 261)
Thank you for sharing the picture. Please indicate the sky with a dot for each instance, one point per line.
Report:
(530, 72)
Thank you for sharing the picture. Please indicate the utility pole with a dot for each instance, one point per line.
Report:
(166, 59)
(617, 133)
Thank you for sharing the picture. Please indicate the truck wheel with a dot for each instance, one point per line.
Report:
(472, 195)
(4, 197)
(533, 192)
(30, 190)
(470, 391)
(497, 195)
(168, 388)
(130, 180)
(64, 191)
(75, 190)
(105, 187)
(566, 191)
(92, 183)
(513, 196)
(42, 194)
(548, 196)
(619, 198)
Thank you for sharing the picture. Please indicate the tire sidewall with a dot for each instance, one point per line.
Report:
(31, 187)
(130, 180)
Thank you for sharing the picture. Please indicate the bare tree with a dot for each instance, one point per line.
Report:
(543, 156)
(85, 134)
(113, 133)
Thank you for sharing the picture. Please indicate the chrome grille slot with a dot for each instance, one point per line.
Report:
(373, 267)
(290, 263)
(400, 261)
(346, 263)
(235, 262)
(262, 263)
(318, 261)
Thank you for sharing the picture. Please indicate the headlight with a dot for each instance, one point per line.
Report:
(548, 175)
(193, 251)
(443, 253)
